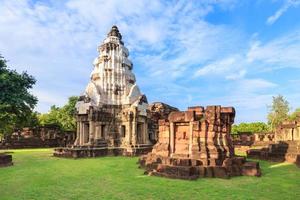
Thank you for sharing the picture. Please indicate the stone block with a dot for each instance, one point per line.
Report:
(234, 170)
(238, 160)
(220, 172)
(177, 117)
(202, 171)
(209, 172)
(251, 169)
(298, 160)
(195, 162)
(5, 160)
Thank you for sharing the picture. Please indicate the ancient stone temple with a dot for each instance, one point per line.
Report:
(112, 114)
(197, 143)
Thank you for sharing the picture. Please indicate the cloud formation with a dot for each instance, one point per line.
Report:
(286, 5)
(180, 56)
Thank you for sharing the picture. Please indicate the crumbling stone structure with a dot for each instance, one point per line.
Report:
(157, 111)
(289, 130)
(263, 139)
(287, 146)
(197, 143)
(288, 151)
(244, 140)
(5, 160)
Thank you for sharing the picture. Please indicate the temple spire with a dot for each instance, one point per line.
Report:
(115, 32)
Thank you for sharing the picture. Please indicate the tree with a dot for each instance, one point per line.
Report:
(250, 127)
(279, 111)
(295, 114)
(63, 117)
(50, 118)
(16, 102)
(67, 117)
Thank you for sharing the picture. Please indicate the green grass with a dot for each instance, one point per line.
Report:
(38, 175)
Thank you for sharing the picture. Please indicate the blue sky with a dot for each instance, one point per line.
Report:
(185, 53)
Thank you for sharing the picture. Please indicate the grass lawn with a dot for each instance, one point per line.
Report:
(38, 175)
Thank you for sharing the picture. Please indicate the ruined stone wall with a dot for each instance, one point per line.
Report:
(286, 146)
(243, 139)
(38, 137)
(288, 131)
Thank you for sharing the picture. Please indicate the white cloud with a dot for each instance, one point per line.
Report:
(56, 41)
(230, 68)
(287, 4)
(237, 75)
(282, 52)
(247, 86)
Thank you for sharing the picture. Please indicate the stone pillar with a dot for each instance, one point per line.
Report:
(134, 132)
(91, 131)
(171, 138)
(86, 133)
(96, 134)
(81, 133)
(77, 140)
(190, 137)
(129, 132)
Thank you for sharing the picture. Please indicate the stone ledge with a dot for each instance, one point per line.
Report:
(90, 152)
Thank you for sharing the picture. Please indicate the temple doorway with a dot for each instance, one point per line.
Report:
(140, 131)
(181, 139)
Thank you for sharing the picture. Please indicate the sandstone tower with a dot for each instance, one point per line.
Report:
(112, 112)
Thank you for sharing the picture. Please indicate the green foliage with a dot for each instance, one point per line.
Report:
(16, 102)
(279, 111)
(62, 117)
(250, 127)
(295, 114)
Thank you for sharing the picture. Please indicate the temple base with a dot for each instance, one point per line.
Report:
(89, 152)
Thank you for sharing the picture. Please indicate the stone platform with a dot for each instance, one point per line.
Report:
(5, 160)
(88, 152)
(191, 169)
